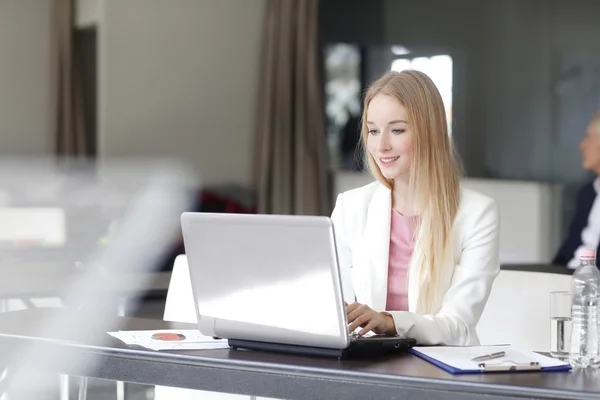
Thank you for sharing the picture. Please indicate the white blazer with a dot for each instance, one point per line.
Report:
(362, 218)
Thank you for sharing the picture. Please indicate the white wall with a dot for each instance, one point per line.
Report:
(179, 78)
(26, 120)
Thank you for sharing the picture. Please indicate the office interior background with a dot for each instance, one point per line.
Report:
(198, 81)
(183, 80)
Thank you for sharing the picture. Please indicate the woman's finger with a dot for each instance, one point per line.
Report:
(352, 307)
(369, 327)
(355, 314)
(362, 319)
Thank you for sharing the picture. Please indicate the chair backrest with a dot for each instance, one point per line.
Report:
(179, 305)
(518, 310)
(530, 217)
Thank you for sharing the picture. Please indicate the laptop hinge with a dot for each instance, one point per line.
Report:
(207, 326)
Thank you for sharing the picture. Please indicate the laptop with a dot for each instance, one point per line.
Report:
(272, 282)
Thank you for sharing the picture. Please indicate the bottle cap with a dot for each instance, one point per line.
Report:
(587, 254)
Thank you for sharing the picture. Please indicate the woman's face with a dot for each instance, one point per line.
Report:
(389, 139)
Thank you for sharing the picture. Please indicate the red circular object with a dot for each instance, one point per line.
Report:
(168, 336)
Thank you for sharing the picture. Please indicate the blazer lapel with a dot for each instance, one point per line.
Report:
(377, 245)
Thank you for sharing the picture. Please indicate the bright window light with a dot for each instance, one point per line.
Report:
(439, 69)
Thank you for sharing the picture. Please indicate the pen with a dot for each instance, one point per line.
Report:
(490, 356)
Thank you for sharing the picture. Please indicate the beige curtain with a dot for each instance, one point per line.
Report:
(291, 169)
(70, 138)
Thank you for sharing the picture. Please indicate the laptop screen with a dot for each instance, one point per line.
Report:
(265, 276)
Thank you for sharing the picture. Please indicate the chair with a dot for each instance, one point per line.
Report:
(179, 307)
(518, 309)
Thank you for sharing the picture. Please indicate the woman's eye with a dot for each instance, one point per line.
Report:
(398, 131)
(372, 131)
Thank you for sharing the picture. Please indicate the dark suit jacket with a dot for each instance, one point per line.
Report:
(585, 200)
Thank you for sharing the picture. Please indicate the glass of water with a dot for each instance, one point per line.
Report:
(560, 324)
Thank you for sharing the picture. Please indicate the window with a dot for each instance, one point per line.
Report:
(439, 69)
(342, 100)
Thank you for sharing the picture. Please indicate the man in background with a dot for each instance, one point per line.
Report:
(584, 231)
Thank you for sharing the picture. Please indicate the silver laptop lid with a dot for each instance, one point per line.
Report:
(270, 278)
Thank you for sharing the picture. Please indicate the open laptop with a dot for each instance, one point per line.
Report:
(272, 282)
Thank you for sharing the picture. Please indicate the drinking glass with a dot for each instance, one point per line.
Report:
(560, 324)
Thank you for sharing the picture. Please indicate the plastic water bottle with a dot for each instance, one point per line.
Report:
(585, 312)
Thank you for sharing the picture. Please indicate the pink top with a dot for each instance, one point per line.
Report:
(401, 249)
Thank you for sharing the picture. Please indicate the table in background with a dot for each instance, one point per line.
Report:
(538, 267)
(28, 283)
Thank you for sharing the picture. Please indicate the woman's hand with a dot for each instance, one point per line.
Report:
(369, 319)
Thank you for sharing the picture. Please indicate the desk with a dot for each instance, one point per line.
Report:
(283, 376)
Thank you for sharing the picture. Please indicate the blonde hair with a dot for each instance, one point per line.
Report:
(435, 172)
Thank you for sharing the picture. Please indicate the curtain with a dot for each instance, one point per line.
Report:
(291, 169)
(70, 138)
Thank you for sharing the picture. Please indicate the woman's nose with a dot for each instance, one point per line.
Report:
(384, 142)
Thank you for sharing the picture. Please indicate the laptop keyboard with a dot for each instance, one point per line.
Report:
(354, 335)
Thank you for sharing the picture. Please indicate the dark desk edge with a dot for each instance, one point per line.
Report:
(534, 267)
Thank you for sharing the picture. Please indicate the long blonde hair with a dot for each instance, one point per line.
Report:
(434, 175)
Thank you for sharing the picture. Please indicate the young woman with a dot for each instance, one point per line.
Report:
(421, 252)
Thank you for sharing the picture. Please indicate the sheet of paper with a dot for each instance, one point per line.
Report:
(461, 357)
(193, 340)
(186, 346)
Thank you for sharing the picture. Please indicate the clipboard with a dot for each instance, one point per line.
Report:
(459, 360)
(508, 367)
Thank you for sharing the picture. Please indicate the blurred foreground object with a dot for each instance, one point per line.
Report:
(101, 224)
